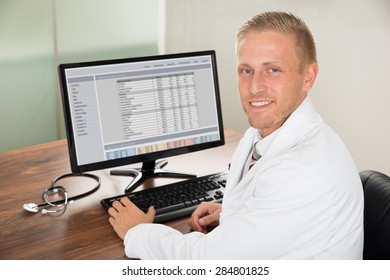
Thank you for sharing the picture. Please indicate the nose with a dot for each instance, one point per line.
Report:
(257, 84)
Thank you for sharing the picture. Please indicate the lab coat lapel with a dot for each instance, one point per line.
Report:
(240, 156)
(288, 136)
(295, 127)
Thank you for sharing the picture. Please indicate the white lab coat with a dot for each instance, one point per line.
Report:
(302, 200)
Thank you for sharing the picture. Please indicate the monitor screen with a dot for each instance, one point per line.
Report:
(141, 109)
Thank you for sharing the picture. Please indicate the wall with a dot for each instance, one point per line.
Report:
(37, 35)
(353, 38)
(27, 109)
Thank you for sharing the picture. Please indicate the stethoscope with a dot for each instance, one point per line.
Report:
(60, 205)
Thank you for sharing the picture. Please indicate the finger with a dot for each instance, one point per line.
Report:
(201, 211)
(112, 212)
(191, 224)
(112, 222)
(130, 205)
(151, 213)
(117, 205)
(126, 202)
(194, 223)
(115, 227)
(211, 219)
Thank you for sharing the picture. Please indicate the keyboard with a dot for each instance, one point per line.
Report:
(177, 199)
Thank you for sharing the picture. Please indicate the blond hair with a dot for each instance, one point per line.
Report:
(285, 23)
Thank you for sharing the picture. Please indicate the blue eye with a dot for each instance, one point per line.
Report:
(274, 70)
(247, 71)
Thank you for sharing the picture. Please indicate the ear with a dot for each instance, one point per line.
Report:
(311, 72)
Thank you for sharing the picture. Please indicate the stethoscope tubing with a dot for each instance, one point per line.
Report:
(66, 201)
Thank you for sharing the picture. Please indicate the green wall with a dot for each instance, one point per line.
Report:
(37, 35)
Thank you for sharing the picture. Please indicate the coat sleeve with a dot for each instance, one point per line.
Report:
(289, 221)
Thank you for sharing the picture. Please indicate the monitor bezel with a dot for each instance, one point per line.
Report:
(76, 168)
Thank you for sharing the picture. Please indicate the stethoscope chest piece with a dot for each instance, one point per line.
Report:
(31, 207)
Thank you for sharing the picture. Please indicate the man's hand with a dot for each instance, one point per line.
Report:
(125, 215)
(206, 215)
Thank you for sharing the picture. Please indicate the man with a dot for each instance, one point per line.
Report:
(301, 199)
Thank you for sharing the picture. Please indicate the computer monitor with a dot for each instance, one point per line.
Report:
(140, 109)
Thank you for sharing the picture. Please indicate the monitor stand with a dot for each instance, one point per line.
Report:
(149, 169)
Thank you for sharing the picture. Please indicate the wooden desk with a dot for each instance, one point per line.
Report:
(83, 230)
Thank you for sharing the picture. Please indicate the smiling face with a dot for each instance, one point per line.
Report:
(271, 80)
